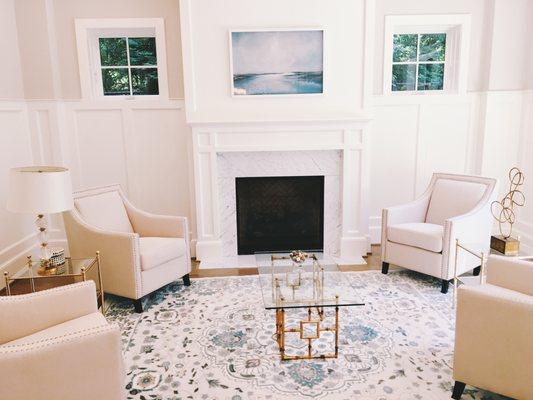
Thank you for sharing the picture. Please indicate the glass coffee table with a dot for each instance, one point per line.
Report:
(315, 285)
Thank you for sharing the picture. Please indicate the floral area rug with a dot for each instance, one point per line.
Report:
(215, 340)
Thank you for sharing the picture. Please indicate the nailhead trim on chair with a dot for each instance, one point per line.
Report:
(48, 342)
(138, 279)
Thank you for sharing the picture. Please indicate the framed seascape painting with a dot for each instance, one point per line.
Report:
(277, 62)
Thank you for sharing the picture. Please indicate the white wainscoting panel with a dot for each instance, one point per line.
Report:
(524, 226)
(99, 145)
(414, 136)
(142, 146)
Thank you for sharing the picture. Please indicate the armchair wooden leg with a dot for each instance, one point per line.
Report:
(477, 271)
(187, 280)
(138, 304)
(384, 267)
(445, 286)
(458, 390)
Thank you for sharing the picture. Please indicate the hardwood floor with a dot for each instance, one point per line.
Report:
(373, 263)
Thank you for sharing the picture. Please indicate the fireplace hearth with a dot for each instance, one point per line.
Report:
(280, 213)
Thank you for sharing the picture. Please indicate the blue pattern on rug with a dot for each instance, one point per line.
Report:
(214, 340)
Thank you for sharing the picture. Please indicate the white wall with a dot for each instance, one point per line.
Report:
(48, 41)
(481, 19)
(509, 43)
(483, 132)
(11, 78)
(145, 146)
(206, 54)
(524, 226)
(141, 145)
(15, 144)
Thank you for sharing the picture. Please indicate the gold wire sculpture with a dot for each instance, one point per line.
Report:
(503, 210)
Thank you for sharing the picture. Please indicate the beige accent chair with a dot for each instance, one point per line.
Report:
(54, 344)
(421, 235)
(494, 331)
(140, 252)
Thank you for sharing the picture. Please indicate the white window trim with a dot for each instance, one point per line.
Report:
(89, 57)
(457, 29)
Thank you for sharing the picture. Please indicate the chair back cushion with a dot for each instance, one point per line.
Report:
(105, 211)
(451, 198)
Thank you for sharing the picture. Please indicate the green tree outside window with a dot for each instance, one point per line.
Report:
(129, 66)
(418, 61)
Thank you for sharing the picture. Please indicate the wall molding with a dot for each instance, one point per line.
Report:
(348, 137)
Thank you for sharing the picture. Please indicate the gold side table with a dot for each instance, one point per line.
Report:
(477, 250)
(32, 279)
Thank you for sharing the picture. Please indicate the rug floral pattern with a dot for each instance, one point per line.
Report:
(214, 340)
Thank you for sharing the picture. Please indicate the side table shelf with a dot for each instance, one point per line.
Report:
(32, 278)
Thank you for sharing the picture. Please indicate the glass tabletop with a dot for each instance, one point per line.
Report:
(478, 248)
(70, 267)
(317, 282)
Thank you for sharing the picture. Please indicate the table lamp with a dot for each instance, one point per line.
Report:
(40, 190)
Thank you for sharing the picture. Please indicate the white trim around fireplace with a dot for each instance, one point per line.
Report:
(346, 135)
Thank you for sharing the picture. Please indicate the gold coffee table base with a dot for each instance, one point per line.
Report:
(281, 330)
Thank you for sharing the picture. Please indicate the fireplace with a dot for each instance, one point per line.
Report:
(280, 213)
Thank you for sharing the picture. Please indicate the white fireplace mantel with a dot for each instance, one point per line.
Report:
(347, 135)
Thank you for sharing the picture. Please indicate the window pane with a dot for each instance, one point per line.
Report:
(404, 48)
(403, 77)
(432, 47)
(142, 51)
(116, 81)
(430, 76)
(144, 81)
(113, 51)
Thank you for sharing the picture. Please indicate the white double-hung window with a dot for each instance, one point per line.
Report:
(425, 53)
(122, 58)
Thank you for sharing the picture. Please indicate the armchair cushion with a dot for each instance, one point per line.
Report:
(105, 211)
(156, 251)
(451, 198)
(510, 273)
(74, 325)
(421, 235)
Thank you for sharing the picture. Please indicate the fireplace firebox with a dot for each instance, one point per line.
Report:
(280, 213)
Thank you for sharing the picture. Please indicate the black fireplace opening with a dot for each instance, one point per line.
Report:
(280, 214)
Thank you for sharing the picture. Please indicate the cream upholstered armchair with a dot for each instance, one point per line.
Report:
(54, 344)
(494, 331)
(421, 235)
(140, 252)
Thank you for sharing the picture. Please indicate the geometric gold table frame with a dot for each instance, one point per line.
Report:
(311, 328)
(281, 330)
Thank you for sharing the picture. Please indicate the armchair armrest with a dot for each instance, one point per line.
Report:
(120, 256)
(510, 273)
(493, 348)
(154, 225)
(29, 313)
(81, 365)
(473, 227)
(414, 211)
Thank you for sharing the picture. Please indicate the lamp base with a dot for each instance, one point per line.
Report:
(507, 246)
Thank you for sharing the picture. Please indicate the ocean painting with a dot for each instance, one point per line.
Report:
(277, 62)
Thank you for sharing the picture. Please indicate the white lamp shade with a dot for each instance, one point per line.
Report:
(39, 190)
